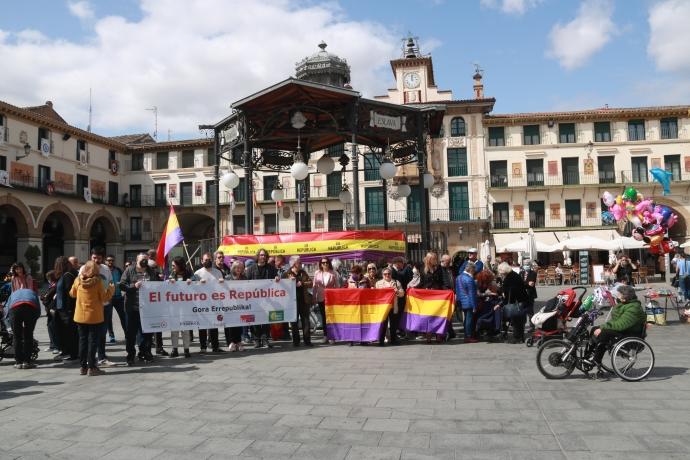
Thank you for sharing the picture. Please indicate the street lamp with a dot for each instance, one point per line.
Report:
(230, 179)
(277, 195)
(428, 180)
(387, 169)
(404, 190)
(345, 196)
(326, 164)
(27, 151)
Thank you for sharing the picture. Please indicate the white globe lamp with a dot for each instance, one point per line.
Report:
(428, 180)
(299, 170)
(404, 190)
(345, 196)
(387, 170)
(325, 165)
(230, 180)
(277, 194)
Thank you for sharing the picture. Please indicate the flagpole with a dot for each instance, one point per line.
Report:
(189, 259)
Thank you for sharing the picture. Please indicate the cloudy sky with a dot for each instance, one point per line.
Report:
(193, 58)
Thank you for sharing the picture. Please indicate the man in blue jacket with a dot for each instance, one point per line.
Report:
(466, 293)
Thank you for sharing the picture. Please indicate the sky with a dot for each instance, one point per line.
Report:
(193, 58)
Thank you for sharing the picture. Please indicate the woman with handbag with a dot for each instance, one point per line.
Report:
(514, 297)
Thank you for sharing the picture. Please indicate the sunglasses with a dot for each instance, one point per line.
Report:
(386, 273)
(324, 261)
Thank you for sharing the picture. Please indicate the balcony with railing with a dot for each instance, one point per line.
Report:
(577, 179)
(568, 221)
(412, 216)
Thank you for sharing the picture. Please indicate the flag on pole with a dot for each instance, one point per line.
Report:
(172, 235)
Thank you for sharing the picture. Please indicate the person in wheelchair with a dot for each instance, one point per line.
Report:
(627, 318)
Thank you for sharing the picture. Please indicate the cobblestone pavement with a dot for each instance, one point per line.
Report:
(415, 401)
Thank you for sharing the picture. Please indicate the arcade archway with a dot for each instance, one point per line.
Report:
(57, 228)
(12, 227)
(101, 233)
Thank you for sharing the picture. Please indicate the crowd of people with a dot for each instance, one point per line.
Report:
(80, 300)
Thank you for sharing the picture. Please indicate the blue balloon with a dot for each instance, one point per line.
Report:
(607, 218)
(663, 177)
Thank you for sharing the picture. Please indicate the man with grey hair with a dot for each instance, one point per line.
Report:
(466, 292)
(130, 283)
(627, 318)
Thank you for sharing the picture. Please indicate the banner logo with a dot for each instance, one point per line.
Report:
(277, 315)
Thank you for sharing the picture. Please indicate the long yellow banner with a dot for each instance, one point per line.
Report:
(314, 247)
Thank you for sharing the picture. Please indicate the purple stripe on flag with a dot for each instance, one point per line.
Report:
(345, 332)
(424, 323)
(172, 239)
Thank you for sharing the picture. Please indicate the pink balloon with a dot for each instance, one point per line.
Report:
(644, 205)
(618, 211)
(672, 220)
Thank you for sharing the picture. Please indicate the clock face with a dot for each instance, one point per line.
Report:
(411, 80)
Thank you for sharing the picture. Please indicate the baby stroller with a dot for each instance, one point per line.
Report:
(550, 321)
(6, 340)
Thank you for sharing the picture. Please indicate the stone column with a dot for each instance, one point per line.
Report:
(78, 248)
(23, 243)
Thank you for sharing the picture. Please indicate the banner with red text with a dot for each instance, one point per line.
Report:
(311, 246)
(178, 306)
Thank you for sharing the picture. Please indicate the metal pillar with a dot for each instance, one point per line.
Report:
(385, 204)
(248, 184)
(355, 168)
(423, 205)
(216, 179)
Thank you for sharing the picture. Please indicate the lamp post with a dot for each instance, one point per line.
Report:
(230, 180)
(27, 151)
(277, 195)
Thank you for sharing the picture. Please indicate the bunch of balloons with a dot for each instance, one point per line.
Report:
(651, 221)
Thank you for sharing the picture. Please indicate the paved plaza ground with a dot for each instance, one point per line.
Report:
(415, 401)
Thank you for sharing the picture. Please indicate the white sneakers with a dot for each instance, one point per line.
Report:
(236, 347)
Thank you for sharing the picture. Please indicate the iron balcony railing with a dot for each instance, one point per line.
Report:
(535, 179)
(544, 221)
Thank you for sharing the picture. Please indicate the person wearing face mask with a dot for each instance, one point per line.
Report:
(158, 336)
(627, 318)
(357, 280)
(130, 283)
(182, 274)
(394, 316)
(209, 274)
(236, 274)
(117, 300)
(261, 270)
(304, 301)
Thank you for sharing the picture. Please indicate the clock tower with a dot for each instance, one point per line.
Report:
(414, 78)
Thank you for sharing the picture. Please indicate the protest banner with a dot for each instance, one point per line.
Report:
(165, 306)
(357, 315)
(428, 311)
(310, 246)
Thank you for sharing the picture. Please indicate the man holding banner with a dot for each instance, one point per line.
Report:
(261, 270)
(208, 274)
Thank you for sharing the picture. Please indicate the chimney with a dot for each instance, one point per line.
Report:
(478, 86)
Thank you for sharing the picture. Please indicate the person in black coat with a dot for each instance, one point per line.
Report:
(431, 276)
(261, 270)
(403, 274)
(513, 291)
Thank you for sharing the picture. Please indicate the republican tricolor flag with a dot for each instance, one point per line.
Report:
(428, 311)
(171, 237)
(357, 315)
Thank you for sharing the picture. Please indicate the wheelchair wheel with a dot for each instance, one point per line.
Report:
(632, 359)
(550, 361)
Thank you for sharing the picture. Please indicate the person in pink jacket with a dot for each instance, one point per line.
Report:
(324, 278)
